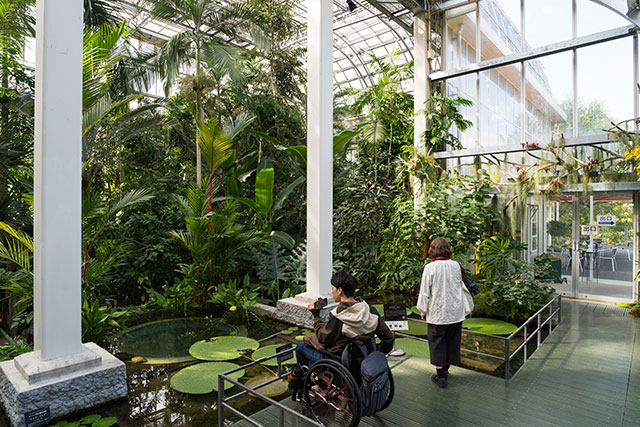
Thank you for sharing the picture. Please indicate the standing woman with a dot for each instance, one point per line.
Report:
(444, 302)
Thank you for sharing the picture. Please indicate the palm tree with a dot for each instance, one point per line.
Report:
(211, 24)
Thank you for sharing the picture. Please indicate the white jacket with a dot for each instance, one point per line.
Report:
(443, 297)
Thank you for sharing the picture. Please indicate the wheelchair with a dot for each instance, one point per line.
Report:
(331, 390)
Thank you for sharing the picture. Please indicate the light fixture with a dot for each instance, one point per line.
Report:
(352, 5)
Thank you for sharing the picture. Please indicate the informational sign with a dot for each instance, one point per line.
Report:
(395, 316)
(284, 357)
(38, 417)
(589, 230)
(606, 220)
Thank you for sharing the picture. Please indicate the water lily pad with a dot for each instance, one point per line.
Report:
(222, 348)
(105, 422)
(304, 334)
(289, 330)
(203, 377)
(90, 419)
(413, 347)
(489, 326)
(416, 328)
(274, 389)
(270, 350)
(415, 310)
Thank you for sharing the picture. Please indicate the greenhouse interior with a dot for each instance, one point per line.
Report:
(184, 183)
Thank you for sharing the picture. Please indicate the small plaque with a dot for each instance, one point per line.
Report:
(37, 417)
(284, 357)
(395, 316)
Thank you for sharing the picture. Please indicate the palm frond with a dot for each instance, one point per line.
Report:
(18, 249)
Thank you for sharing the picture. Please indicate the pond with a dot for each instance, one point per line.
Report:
(151, 401)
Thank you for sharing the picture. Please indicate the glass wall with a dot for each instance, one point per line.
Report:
(599, 80)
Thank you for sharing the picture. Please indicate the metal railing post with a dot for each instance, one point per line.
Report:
(220, 400)
(507, 360)
(525, 340)
(539, 332)
(550, 318)
(559, 308)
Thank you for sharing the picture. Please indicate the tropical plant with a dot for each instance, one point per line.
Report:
(442, 113)
(236, 299)
(178, 299)
(281, 268)
(495, 257)
(212, 237)
(513, 299)
(17, 251)
(14, 348)
(203, 44)
(99, 319)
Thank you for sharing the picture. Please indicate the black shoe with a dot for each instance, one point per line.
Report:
(440, 381)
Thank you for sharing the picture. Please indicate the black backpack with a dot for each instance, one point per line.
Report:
(373, 377)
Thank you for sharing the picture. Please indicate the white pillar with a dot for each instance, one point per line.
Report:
(422, 88)
(71, 376)
(57, 180)
(319, 148)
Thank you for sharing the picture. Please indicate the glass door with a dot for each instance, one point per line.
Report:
(593, 238)
(605, 249)
(558, 238)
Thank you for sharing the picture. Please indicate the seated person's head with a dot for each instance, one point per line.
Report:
(343, 286)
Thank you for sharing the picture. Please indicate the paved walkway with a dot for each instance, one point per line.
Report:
(587, 373)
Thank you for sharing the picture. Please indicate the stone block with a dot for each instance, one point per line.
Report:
(66, 393)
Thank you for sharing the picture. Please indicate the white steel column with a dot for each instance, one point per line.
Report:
(422, 89)
(319, 148)
(57, 180)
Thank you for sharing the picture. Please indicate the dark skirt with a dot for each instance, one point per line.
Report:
(444, 343)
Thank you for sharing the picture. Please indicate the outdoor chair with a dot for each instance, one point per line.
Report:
(582, 257)
(612, 258)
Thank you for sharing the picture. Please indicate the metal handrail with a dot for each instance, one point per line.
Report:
(508, 355)
(223, 401)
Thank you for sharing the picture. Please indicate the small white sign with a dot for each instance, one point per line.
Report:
(589, 230)
(607, 220)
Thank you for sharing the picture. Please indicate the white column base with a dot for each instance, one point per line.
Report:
(34, 370)
(93, 378)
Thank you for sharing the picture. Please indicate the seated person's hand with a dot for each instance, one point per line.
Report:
(311, 306)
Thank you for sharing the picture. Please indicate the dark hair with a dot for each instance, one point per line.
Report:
(346, 282)
(440, 247)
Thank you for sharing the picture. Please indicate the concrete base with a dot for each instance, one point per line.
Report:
(90, 378)
(294, 310)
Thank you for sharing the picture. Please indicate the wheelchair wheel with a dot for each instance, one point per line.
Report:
(332, 395)
(391, 391)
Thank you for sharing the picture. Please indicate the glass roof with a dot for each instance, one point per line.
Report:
(378, 27)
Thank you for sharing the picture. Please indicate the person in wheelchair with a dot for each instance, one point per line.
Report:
(351, 320)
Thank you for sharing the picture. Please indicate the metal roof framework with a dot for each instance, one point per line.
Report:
(375, 27)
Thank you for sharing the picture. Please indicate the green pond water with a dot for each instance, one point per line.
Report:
(150, 399)
(168, 341)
